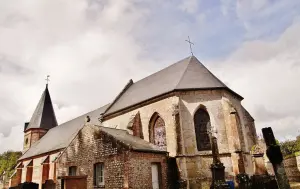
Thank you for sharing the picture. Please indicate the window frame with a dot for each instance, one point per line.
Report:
(102, 174)
(199, 135)
(153, 126)
(71, 170)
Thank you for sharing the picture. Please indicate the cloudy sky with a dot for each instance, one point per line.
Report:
(91, 48)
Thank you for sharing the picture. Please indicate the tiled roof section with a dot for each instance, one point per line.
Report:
(133, 142)
(188, 73)
(61, 136)
(197, 76)
(43, 116)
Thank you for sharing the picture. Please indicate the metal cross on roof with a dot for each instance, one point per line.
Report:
(47, 79)
(189, 41)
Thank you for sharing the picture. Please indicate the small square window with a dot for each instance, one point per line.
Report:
(72, 171)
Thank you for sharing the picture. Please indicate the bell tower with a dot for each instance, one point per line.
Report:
(42, 120)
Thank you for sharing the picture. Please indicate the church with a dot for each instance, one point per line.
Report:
(156, 133)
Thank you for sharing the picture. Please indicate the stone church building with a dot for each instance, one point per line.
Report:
(155, 134)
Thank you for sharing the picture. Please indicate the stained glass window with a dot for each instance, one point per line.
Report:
(202, 127)
(158, 132)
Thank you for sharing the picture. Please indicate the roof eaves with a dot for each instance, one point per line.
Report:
(149, 151)
(111, 113)
(41, 154)
(174, 90)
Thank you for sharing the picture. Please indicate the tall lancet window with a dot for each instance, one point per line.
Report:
(202, 129)
(157, 132)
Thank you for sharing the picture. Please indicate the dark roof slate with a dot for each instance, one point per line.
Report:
(60, 137)
(43, 116)
(133, 142)
(188, 73)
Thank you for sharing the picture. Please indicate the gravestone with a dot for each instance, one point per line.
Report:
(275, 156)
(217, 168)
(259, 162)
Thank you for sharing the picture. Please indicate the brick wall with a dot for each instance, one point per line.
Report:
(32, 136)
(16, 178)
(140, 169)
(92, 146)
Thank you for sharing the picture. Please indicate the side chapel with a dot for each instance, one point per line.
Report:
(155, 134)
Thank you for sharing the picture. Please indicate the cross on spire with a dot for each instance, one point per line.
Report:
(189, 41)
(47, 79)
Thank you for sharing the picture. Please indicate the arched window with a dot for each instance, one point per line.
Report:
(157, 131)
(202, 128)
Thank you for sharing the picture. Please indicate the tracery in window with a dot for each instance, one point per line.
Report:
(157, 131)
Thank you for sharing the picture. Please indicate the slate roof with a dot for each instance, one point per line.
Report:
(60, 137)
(43, 116)
(133, 142)
(188, 73)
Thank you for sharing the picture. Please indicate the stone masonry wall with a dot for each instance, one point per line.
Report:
(90, 147)
(189, 103)
(122, 167)
(140, 164)
(292, 168)
(165, 110)
(218, 103)
(181, 140)
(245, 140)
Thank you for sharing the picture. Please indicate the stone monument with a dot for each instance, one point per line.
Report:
(217, 168)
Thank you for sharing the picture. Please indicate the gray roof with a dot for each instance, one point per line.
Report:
(43, 116)
(188, 73)
(133, 142)
(60, 137)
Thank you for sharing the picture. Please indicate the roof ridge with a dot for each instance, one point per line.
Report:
(161, 70)
(213, 74)
(127, 86)
(180, 78)
(80, 116)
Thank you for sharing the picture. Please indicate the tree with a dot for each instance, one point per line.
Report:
(8, 160)
(290, 147)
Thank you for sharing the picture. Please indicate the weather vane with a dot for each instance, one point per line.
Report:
(47, 79)
(189, 41)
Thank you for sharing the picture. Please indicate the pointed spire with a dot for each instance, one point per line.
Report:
(43, 116)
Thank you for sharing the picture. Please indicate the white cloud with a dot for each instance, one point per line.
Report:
(91, 48)
(87, 48)
(190, 6)
(267, 74)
